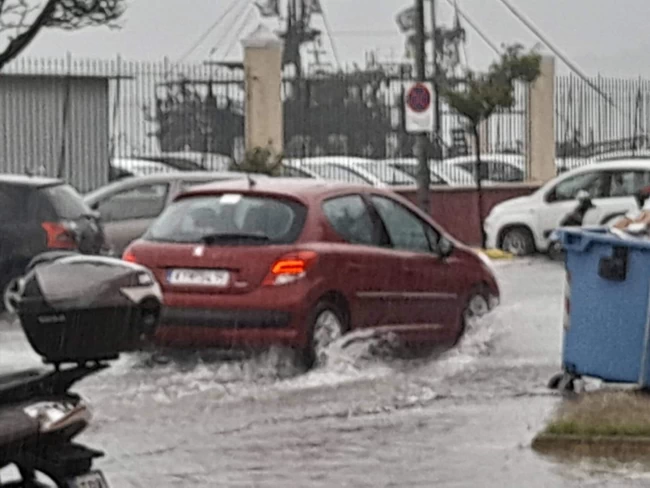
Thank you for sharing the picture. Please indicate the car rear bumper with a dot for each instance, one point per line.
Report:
(262, 318)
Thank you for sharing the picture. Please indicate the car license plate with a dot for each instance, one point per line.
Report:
(94, 479)
(198, 277)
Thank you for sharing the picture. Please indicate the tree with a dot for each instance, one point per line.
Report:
(22, 20)
(479, 95)
(259, 160)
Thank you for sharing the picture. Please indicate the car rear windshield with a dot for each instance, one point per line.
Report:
(229, 219)
(67, 202)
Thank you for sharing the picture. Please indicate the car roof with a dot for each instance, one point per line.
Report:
(331, 159)
(32, 181)
(642, 164)
(152, 179)
(511, 159)
(302, 189)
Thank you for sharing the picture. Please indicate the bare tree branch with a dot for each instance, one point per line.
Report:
(20, 42)
(76, 14)
(20, 26)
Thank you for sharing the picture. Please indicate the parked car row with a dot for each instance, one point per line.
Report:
(495, 168)
(459, 171)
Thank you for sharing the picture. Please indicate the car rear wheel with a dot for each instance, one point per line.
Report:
(327, 325)
(476, 307)
(11, 295)
(518, 241)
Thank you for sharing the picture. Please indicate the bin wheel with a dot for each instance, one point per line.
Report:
(564, 382)
(554, 382)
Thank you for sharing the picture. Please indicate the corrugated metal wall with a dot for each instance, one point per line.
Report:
(60, 123)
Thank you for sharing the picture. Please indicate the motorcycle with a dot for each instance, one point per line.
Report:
(79, 313)
(575, 218)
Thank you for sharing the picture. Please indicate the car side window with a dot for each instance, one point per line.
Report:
(471, 166)
(628, 183)
(351, 219)
(406, 231)
(593, 183)
(142, 202)
(501, 171)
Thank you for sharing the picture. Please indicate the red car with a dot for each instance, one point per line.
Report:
(300, 262)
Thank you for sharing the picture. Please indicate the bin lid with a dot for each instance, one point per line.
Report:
(580, 240)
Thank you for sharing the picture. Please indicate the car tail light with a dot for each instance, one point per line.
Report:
(60, 235)
(290, 268)
(129, 257)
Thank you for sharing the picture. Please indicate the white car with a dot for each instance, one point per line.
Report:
(523, 225)
(497, 168)
(439, 172)
(354, 170)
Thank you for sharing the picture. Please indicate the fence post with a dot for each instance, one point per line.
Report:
(263, 86)
(541, 124)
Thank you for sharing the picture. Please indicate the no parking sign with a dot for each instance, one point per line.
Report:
(418, 107)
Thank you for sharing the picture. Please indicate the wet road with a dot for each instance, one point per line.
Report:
(465, 419)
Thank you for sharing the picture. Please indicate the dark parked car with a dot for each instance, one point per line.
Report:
(40, 214)
(299, 262)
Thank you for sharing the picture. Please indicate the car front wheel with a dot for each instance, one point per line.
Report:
(476, 307)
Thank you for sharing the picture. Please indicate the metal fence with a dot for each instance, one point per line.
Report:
(71, 117)
(610, 118)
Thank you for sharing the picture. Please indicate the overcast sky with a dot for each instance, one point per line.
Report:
(601, 36)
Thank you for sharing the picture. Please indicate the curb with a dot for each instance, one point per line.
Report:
(496, 253)
(593, 446)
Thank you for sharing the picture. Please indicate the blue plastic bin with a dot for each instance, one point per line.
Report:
(607, 326)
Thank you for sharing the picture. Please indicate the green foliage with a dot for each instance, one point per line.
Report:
(479, 95)
(261, 161)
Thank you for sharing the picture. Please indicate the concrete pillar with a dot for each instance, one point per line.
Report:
(541, 124)
(263, 85)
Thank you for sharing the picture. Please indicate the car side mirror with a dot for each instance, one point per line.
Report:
(445, 247)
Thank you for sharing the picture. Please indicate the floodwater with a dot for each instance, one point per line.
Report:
(464, 419)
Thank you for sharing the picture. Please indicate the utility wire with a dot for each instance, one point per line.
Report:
(329, 35)
(209, 31)
(241, 13)
(239, 33)
(529, 24)
(230, 29)
(456, 11)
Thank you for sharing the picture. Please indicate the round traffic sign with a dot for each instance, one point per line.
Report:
(418, 98)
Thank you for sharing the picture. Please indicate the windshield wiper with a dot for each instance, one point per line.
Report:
(233, 236)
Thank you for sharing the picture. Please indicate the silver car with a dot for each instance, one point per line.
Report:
(128, 206)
